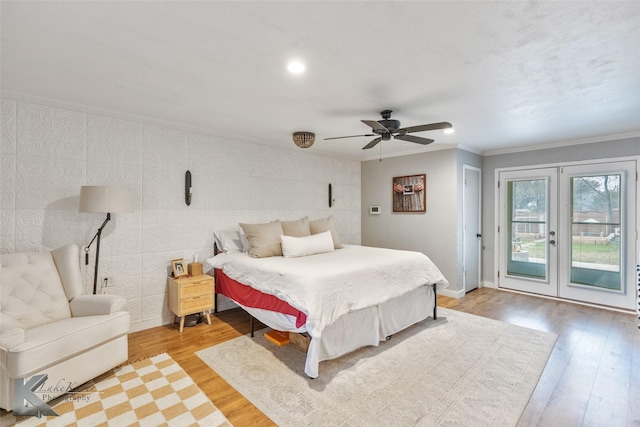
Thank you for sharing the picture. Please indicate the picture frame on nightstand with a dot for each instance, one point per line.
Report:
(179, 267)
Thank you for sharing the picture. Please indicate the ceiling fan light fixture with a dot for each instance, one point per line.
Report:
(304, 139)
(450, 130)
(388, 128)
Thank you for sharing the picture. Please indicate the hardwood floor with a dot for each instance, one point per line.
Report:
(592, 377)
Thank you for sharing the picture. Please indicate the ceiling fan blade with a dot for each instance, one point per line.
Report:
(372, 143)
(422, 128)
(416, 139)
(350, 136)
(375, 125)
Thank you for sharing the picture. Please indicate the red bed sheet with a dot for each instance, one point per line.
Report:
(250, 297)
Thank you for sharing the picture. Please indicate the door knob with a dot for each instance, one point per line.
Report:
(552, 233)
(478, 235)
(552, 242)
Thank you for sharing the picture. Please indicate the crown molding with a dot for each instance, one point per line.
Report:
(426, 149)
(561, 144)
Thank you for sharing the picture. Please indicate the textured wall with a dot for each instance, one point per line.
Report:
(48, 153)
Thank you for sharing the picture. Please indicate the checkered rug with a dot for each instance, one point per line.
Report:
(151, 392)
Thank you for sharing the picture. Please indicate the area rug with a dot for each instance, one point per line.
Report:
(459, 370)
(151, 392)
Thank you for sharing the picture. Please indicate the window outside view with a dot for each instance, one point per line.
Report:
(596, 231)
(595, 228)
(528, 221)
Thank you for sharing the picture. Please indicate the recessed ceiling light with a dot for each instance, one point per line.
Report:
(450, 130)
(296, 67)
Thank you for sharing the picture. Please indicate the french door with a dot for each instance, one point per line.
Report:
(570, 232)
(528, 231)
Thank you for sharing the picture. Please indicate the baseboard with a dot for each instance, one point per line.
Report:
(147, 324)
(451, 294)
(226, 305)
(459, 294)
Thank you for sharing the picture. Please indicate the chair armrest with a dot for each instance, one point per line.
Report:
(11, 338)
(93, 305)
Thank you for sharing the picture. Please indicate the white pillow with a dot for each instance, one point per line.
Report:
(228, 241)
(246, 246)
(309, 245)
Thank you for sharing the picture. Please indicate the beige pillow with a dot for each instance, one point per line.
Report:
(264, 239)
(297, 228)
(320, 225)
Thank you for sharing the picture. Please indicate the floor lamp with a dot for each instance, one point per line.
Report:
(103, 199)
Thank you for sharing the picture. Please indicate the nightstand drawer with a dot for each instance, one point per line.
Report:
(196, 303)
(194, 289)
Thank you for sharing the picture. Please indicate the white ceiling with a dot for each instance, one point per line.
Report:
(505, 74)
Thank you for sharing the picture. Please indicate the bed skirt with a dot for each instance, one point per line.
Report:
(368, 326)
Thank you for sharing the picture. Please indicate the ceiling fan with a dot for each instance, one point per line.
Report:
(388, 127)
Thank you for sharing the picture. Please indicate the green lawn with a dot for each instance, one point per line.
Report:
(597, 254)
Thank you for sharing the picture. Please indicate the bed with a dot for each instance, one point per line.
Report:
(343, 299)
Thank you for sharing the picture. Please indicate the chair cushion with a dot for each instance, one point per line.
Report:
(55, 342)
(31, 293)
(12, 338)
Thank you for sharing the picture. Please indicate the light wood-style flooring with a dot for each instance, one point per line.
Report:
(592, 377)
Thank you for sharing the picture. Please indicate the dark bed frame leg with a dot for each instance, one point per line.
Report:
(435, 304)
(251, 325)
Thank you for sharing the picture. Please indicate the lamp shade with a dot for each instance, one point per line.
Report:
(106, 199)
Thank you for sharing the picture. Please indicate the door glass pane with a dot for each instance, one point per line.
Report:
(596, 230)
(527, 228)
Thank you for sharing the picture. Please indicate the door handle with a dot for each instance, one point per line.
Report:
(552, 242)
(478, 235)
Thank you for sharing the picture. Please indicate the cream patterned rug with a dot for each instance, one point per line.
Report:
(151, 392)
(459, 370)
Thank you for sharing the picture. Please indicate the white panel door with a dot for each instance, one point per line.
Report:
(472, 220)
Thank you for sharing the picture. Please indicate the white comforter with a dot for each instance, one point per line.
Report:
(327, 286)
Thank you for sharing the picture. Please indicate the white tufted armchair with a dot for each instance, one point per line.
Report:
(47, 325)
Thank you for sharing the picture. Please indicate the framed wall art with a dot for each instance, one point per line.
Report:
(409, 193)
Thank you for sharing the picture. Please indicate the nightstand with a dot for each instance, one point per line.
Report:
(189, 295)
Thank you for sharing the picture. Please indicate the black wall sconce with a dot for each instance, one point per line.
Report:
(330, 196)
(187, 188)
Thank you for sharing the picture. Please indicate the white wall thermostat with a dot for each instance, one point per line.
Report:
(374, 210)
